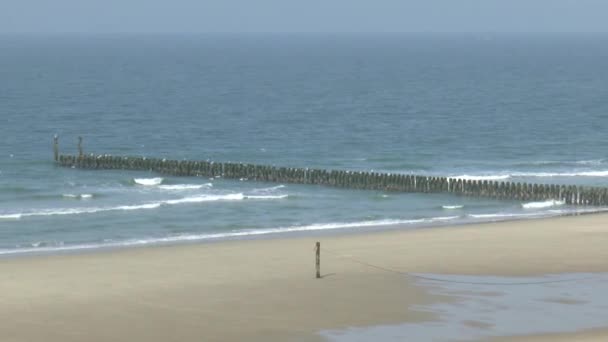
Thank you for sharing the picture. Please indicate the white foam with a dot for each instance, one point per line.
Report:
(545, 204)
(137, 207)
(504, 215)
(232, 234)
(148, 181)
(11, 216)
(76, 211)
(152, 205)
(504, 175)
(81, 196)
(206, 198)
(268, 190)
(562, 174)
(451, 207)
(481, 177)
(266, 197)
(590, 162)
(444, 218)
(181, 187)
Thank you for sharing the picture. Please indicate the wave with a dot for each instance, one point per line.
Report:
(180, 187)
(148, 181)
(268, 190)
(206, 198)
(504, 176)
(539, 205)
(80, 196)
(152, 205)
(232, 234)
(76, 211)
(603, 173)
(481, 177)
(578, 211)
(266, 197)
(450, 207)
(505, 215)
(592, 162)
(11, 216)
(281, 186)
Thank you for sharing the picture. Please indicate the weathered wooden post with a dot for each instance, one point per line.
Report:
(80, 153)
(56, 147)
(318, 259)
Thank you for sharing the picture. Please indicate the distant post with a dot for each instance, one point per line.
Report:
(80, 153)
(318, 261)
(56, 147)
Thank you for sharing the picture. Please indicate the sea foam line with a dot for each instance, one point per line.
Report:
(78, 196)
(178, 187)
(152, 205)
(505, 176)
(539, 205)
(451, 207)
(232, 234)
(603, 173)
(481, 177)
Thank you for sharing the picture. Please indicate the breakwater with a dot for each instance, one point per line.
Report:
(569, 194)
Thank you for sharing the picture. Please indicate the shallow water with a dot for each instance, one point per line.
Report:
(511, 306)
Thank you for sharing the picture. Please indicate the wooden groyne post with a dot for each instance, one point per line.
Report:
(80, 152)
(56, 147)
(318, 259)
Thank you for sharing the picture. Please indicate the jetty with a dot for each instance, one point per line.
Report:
(362, 180)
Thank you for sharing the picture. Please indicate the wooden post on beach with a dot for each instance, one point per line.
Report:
(318, 259)
(56, 147)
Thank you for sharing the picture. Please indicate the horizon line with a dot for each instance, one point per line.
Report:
(301, 32)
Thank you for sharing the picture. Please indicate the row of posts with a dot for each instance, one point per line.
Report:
(577, 195)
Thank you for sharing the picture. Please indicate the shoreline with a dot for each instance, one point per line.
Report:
(208, 238)
(265, 290)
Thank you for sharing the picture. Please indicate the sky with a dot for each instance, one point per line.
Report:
(286, 16)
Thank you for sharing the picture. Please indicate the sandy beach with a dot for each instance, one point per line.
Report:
(265, 290)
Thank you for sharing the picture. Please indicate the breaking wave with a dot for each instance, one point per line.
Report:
(148, 181)
(481, 177)
(540, 205)
(603, 173)
(505, 215)
(152, 205)
(232, 234)
(450, 207)
(509, 175)
(78, 196)
(180, 187)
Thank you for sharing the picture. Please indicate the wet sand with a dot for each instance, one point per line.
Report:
(265, 290)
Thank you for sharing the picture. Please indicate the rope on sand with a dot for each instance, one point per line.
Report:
(390, 270)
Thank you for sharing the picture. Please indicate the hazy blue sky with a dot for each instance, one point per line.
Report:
(303, 15)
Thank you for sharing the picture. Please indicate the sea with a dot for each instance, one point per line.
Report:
(512, 107)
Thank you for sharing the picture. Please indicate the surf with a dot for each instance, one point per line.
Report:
(452, 207)
(540, 205)
(148, 181)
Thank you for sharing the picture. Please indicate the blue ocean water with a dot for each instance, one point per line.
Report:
(517, 107)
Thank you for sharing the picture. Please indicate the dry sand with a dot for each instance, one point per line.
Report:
(264, 290)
